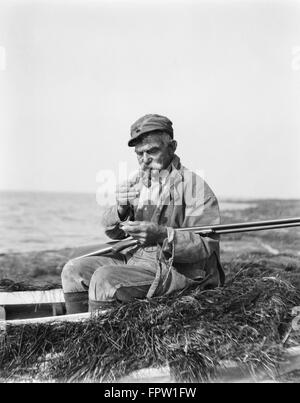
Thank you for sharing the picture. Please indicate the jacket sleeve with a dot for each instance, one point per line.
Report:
(111, 222)
(185, 246)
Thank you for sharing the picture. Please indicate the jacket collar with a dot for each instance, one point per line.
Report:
(175, 163)
(171, 189)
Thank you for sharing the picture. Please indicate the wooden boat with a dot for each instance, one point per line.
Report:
(26, 307)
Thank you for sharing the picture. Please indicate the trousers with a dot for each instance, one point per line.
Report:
(118, 277)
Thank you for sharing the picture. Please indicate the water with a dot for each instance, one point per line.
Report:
(226, 206)
(38, 221)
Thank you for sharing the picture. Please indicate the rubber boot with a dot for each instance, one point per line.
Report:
(76, 302)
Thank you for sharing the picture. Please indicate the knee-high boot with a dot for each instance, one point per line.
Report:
(76, 302)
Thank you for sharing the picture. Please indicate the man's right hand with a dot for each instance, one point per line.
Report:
(126, 193)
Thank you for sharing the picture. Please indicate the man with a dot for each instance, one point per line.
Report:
(150, 207)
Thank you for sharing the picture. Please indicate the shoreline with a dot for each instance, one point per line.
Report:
(45, 266)
(39, 266)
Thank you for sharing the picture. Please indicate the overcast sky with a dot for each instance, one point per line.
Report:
(75, 75)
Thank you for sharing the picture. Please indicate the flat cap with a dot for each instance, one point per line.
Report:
(149, 123)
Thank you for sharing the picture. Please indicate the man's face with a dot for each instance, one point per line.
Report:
(153, 153)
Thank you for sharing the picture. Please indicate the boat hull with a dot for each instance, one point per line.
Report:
(29, 307)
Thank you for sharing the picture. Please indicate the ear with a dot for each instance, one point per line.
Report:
(173, 144)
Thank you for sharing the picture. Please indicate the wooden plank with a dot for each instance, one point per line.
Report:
(32, 297)
(148, 375)
(234, 374)
(229, 372)
(292, 362)
(50, 319)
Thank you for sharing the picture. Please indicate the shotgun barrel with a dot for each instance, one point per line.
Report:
(265, 223)
(232, 230)
(205, 230)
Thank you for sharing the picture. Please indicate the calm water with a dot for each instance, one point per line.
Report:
(39, 221)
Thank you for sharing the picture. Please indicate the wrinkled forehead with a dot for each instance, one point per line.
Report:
(150, 141)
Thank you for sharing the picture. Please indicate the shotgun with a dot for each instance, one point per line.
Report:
(206, 230)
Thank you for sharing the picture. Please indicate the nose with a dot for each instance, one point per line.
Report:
(146, 158)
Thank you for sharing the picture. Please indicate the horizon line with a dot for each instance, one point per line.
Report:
(221, 197)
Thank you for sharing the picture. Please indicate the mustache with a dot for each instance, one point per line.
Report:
(152, 166)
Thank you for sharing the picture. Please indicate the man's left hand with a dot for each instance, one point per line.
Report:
(147, 233)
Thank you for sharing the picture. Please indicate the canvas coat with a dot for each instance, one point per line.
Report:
(186, 201)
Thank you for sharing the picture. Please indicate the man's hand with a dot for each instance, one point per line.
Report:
(126, 193)
(147, 233)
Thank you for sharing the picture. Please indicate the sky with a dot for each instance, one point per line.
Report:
(74, 76)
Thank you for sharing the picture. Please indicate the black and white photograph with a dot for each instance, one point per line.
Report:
(149, 194)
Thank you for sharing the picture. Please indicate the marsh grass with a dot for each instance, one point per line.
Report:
(193, 332)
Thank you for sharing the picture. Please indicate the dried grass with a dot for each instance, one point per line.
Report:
(7, 285)
(192, 331)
